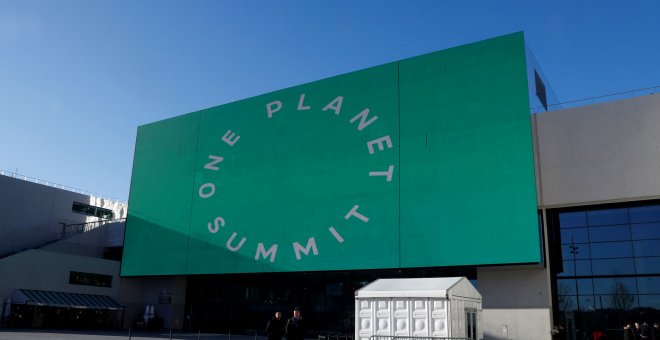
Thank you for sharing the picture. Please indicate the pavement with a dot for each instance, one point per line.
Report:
(7, 334)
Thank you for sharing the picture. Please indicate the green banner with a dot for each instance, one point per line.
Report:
(423, 162)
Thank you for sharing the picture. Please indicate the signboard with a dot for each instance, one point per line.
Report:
(422, 162)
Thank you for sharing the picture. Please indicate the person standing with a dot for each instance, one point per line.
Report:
(558, 332)
(295, 328)
(275, 327)
(645, 331)
(635, 331)
(628, 332)
(655, 331)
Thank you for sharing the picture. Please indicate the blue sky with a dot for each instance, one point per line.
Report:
(77, 77)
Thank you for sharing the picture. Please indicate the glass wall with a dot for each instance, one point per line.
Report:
(243, 303)
(606, 265)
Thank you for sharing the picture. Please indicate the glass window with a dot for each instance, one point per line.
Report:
(607, 250)
(91, 210)
(540, 90)
(615, 255)
(90, 279)
(585, 286)
(604, 302)
(566, 303)
(581, 251)
(568, 269)
(608, 216)
(651, 301)
(613, 286)
(573, 219)
(577, 235)
(647, 248)
(583, 268)
(645, 214)
(647, 265)
(624, 301)
(587, 303)
(613, 267)
(567, 286)
(645, 231)
(610, 233)
(648, 285)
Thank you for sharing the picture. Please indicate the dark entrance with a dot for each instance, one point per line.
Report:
(243, 303)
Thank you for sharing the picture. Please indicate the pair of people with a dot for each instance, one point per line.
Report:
(643, 331)
(293, 328)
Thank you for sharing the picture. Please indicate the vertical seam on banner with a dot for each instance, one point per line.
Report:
(192, 191)
(398, 111)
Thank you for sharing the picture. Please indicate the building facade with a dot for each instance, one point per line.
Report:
(598, 168)
(433, 166)
(459, 180)
(60, 256)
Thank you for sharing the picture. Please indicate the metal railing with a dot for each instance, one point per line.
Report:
(335, 336)
(69, 230)
(59, 186)
(396, 337)
(598, 99)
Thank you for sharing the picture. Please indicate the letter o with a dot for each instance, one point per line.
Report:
(209, 194)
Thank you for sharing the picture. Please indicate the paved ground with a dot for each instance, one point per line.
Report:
(115, 335)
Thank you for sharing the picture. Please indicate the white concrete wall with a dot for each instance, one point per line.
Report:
(91, 243)
(517, 323)
(32, 214)
(516, 302)
(599, 153)
(45, 270)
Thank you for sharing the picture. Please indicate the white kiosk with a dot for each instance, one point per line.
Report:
(440, 307)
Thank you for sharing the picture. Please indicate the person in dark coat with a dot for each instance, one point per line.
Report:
(275, 327)
(558, 332)
(655, 331)
(628, 332)
(636, 331)
(295, 328)
(645, 331)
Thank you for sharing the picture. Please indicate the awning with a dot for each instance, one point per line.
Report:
(61, 299)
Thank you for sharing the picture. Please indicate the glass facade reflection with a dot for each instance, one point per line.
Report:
(606, 265)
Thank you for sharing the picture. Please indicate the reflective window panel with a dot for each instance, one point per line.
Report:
(623, 266)
(607, 216)
(573, 219)
(605, 250)
(609, 233)
(645, 214)
(645, 231)
(576, 235)
(647, 265)
(647, 248)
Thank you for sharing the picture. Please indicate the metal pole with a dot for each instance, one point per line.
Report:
(170, 333)
(129, 333)
(199, 333)
(575, 251)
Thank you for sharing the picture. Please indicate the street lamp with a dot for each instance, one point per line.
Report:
(575, 251)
